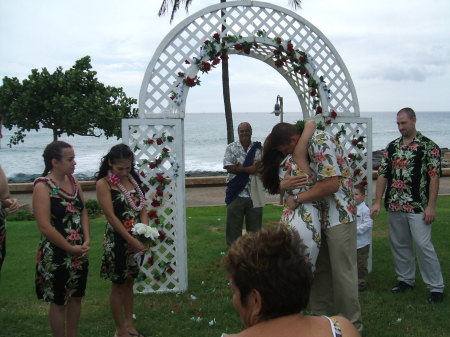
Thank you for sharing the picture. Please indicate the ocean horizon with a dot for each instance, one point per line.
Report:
(205, 141)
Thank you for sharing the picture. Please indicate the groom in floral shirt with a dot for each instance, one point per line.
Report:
(335, 284)
(410, 170)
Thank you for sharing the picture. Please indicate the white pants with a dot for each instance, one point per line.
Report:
(404, 230)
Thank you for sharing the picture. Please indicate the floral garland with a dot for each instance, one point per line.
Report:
(56, 190)
(165, 152)
(215, 50)
(115, 180)
(160, 182)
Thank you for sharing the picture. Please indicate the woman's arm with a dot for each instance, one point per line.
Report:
(300, 154)
(103, 191)
(41, 209)
(85, 225)
(4, 189)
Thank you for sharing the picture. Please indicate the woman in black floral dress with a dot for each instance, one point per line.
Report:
(62, 264)
(122, 202)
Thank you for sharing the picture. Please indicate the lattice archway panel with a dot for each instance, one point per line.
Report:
(162, 115)
(159, 152)
(246, 19)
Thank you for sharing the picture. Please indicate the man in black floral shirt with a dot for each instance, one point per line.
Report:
(410, 170)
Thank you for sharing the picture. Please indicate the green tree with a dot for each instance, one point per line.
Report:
(71, 102)
(225, 74)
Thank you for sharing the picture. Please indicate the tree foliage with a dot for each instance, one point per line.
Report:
(71, 102)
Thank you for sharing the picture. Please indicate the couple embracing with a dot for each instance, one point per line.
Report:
(309, 168)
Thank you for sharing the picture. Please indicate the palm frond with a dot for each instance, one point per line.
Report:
(175, 4)
(295, 3)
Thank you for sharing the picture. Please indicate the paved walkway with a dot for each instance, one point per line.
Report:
(206, 195)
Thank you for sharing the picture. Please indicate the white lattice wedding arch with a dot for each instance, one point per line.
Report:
(254, 29)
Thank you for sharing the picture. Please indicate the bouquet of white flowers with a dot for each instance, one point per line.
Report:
(147, 235)
(144, 232)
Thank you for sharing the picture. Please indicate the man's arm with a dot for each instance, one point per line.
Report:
(429, 213)
(318, 191)
(379, 192)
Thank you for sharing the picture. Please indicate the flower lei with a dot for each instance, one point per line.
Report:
(57, 190)
(115, 180)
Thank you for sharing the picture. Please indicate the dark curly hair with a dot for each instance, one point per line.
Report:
(53, 151)
(117, 152)
(273, 262)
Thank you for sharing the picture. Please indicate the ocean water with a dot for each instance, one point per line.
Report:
(205, 141)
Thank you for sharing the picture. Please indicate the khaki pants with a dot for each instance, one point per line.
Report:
(335, 284)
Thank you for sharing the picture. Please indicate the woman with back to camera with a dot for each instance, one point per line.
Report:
(62, 265)
(275, 165)
(122, 201)
(271, 281)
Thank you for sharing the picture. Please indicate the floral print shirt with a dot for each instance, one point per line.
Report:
(235, 153)
(408, 169)
(329, 160)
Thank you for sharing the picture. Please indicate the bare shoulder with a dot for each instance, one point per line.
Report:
(347, 328)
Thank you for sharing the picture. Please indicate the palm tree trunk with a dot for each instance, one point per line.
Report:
(226, 95)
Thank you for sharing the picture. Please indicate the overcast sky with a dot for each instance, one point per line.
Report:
(397, 51)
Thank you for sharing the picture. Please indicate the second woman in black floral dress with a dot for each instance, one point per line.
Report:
(122, 202)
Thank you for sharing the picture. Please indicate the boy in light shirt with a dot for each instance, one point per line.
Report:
(363, 235)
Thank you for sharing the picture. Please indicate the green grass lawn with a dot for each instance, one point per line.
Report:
(208, 295)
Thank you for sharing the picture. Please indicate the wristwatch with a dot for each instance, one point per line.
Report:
(296, 199)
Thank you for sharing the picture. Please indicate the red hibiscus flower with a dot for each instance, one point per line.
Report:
(319, 157)
(76, 264)
(216, 36)
(216, 61)
(150, 141)
(73, 235)
(356, 172)
(165, 149)
(318, 110)
(159, 141)
(224, 57)
(302, 59)
(435, 152)
(159, 192)
(400, 184)
(328, 121)
(70, 208)
(155, 203)
(160, 178)
(128, 224)
(206, 42)
(180, 74)
(152, 165)
(354, 142)
(238, 46)
(350, 156)
(150, 261)
(170, 270)
(395, 206)
(432, 173)
(407, 208)
(313, 92)
(187, 62)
